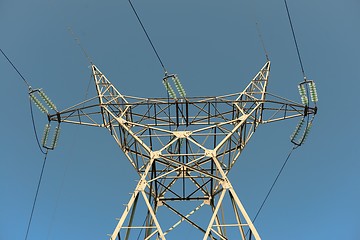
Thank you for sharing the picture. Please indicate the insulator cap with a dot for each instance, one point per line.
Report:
(37, 102)
(47, 100)
(45, 135)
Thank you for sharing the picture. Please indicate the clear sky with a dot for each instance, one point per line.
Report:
(214, 48)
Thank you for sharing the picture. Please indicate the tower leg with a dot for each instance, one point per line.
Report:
(217, 225)
(224, 225)
(149, 231)
(129, 213)
(241, 218)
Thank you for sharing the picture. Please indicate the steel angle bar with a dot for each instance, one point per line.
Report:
(193, 169)
(190, 139)
(167, 188)
(238, 218)
(199, 187)
(215, 211)
(212, 125)
(184, 218)
(164, 175)
(218, 234)
(282, 118)
(132, 134)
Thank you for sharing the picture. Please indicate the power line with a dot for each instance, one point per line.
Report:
(272, 186)
(148, 37)
(38, 143)
(31, 109)
(294, 37)
(294, 147)
(28, 85)
(36, 195)
(34, 127)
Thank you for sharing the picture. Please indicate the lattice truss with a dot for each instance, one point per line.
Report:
(183, 150)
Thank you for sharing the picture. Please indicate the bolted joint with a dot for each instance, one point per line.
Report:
(155, 154)
(208, 201)
(210, 153)
(225, 184)
(159, 202)
(121, 120)
(182, 134)
(142, 185)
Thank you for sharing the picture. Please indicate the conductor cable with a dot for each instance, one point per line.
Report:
(148, 37)
(294, 37)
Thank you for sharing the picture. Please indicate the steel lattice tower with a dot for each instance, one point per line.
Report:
(183, 150)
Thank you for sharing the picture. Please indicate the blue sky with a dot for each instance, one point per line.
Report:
(214, 48)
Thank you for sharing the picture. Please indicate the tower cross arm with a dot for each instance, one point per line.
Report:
(276, 108)
(91, 112)
(86, 113)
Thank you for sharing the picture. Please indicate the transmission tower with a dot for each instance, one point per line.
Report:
(183, 149)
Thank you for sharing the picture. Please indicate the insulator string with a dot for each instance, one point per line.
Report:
(37, 140)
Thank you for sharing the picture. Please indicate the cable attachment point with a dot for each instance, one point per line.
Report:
(176, 81)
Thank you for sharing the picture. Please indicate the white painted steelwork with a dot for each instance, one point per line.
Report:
(183, 150)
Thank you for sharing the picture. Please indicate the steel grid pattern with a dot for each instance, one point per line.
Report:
(183, 150)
